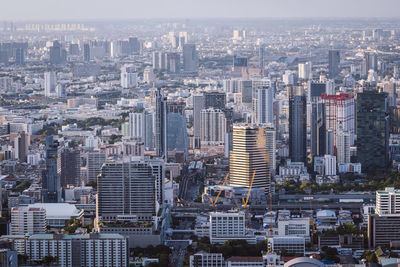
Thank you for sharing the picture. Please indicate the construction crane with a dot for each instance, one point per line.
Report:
(219, 193)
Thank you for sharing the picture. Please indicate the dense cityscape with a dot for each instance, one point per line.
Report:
(200, 142)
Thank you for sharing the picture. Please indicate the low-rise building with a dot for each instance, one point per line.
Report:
(291, 244)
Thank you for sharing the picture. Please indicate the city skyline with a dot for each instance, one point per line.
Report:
(43, 10)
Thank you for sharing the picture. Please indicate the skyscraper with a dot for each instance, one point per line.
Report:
(318, 129)
(68, 167)
(214, 100)
(134, 45)
(128, 76)
(19, 56)
(198, 106)
(95, 160)
(372, 130)
(305, 70)
(249, 154)
(161, 125)
(261, 56)
(50, 83)
(127, 188)
(51, 187)
(263, 109)
(343, 147)
(213, 127)
(334, 61)
(297, 128)
(271, 146)
(86, 53)
(177, 138)
(190, 59)
(137, 125)
(21, 146)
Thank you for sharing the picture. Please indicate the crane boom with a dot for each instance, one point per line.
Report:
(251, 185)
(220, 191)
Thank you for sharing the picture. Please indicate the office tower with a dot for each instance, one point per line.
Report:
(148, 131)
(263, 110)
(21, 146)
(330, 143)
(190, 60)
(69, 167)
(137, 125)
(198, 106)
(148, 75)
(245, 87)
(330, 165)
(370, 62)
(134, 45)
(372, 131)
(50, 83)
(213, 127)
(261, 56)
(127, 188)
(271, 146)
(86, 53)
(57, 54)
(26, 220)
(343, 147)
(297, 128)
(51, 186)
(334, 61)
(318, 129)
(94, 162)
(161, 125)
(214, 100)
(19, 56)
(156, 60)
(249, 154)
(173, 62)
(305, 70)
(128, 76)
(340, 113)
(92, 249)
(177, 138)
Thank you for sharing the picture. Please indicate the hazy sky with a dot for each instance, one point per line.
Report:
(131, 9)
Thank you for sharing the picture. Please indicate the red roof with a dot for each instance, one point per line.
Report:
(245, 259)
(341, 96)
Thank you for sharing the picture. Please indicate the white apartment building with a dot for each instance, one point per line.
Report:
(128, 76)
(204, 259)
(26, 220)
(227, 225)
(108, 250)
(388, 202)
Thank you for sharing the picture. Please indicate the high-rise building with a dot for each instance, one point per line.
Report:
(215, 100)
(94, 161)
(177, 138)
(330, 143)
(156, 60)
(50, 83)
(68, 167)
(318, 129)
(26, 220)
(19, 56)
(148, 131)
(198, 106)
(173, 62)
(57, 54)
(271, 146)
(161, 125)
(343, 147)
(249, 154)
(148, 75)
(51, 187)
(212, 127)
(388, 202)
(128, 76)
(370, 62)
(21, 146)
(372, 131)
(330, 165)
(334, 61)
(261, 56)
(86, 53)
(134, 45)
(340, 113)
(305, 70)
(137, 125)
(127, 188)
(297, 128)
(190, 59)
(263, 110)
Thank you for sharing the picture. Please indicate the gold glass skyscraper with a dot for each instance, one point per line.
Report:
(249, 154)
